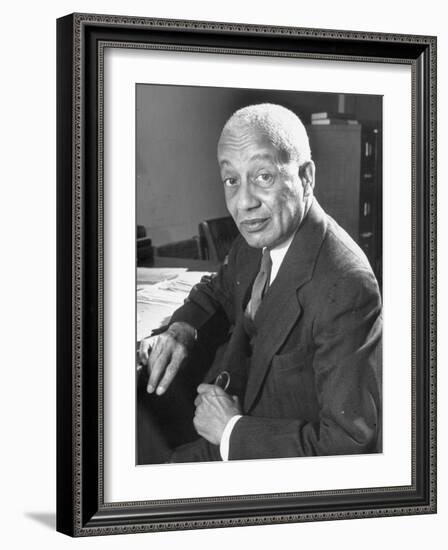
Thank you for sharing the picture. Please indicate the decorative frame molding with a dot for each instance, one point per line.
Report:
(81, 510)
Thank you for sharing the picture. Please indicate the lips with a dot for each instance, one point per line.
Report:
(254, 224)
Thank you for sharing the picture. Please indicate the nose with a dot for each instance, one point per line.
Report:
(247, 199)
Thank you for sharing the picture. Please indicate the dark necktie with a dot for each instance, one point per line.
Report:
(261, 284)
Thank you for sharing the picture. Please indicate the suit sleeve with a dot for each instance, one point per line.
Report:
(347, 370)
(212, 296)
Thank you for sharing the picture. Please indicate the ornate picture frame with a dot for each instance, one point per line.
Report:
(81, 506)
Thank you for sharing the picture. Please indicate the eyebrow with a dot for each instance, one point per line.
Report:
(262, 156)
(258, 156)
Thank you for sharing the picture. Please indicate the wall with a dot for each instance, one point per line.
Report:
(178, 182)
(27, 404)
(177, 130)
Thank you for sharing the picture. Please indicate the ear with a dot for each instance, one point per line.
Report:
(306, 175)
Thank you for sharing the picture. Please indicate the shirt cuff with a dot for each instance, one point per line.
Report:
(225, 439)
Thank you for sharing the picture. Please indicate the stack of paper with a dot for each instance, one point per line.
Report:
(157, 301)
(153, 275)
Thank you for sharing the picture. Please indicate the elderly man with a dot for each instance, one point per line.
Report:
(300, 374)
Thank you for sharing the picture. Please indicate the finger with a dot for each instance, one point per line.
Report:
(200, 410)
(198, 401)
(217, 391)
(210, 388)
(156, 366)
(146, 345)
(203, 388)
(207, 399)
(158, 344)
(197, 424)
(235, 399)
(200, 416)
(171, 370)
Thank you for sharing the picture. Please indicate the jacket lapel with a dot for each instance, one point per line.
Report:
(246, 273)
(234, 355)
(280, 308)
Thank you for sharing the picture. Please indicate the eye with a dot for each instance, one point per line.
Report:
(265, 178)
(230, 182)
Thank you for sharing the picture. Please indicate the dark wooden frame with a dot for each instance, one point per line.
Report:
(81, 39)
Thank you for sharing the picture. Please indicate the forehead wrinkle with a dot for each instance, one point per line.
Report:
(241, 141)
(244, 143)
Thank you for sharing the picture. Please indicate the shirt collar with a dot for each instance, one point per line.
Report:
(278, 254)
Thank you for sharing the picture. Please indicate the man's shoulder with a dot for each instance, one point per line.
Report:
(341, 267)
(325, 247)
(339, 252)
(340, 261)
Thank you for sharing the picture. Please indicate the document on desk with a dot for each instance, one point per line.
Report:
(157, 301)
(153, 275)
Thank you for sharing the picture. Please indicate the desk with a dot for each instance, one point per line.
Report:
(156, 303)
(190, 263)
(164, 422)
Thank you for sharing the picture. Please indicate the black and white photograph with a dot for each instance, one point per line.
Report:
(259, 274)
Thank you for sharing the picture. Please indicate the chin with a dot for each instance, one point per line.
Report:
(257, 241)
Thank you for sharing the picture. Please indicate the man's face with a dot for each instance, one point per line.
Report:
(264, 194)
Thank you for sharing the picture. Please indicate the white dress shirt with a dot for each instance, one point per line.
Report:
(277, 256)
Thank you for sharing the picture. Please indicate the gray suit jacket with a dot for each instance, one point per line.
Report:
(310, 377)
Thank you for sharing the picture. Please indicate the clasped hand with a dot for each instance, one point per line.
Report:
(164, 355)
(214, 408)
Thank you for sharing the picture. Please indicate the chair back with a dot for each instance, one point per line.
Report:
(216, 237)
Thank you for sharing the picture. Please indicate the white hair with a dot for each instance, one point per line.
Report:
(283, 128)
